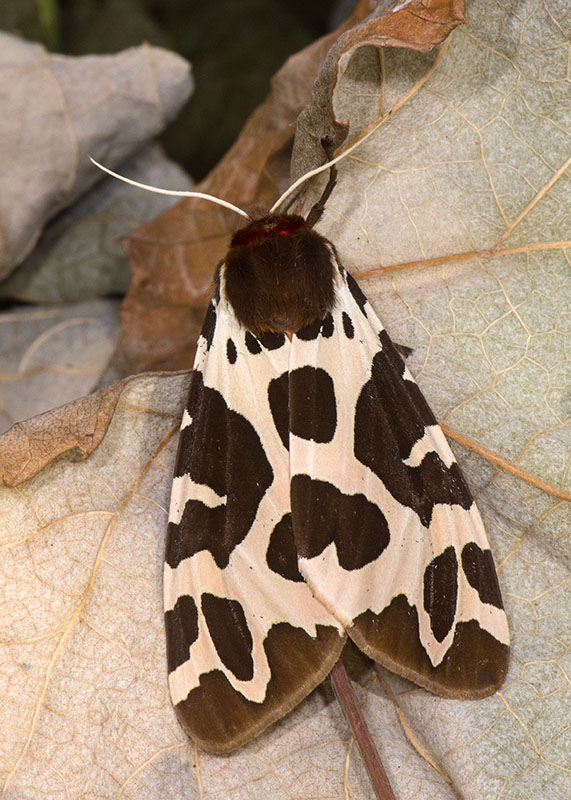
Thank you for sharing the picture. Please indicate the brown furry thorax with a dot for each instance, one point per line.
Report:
(279, 274)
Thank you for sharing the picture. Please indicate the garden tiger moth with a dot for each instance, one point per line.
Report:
(314, 498)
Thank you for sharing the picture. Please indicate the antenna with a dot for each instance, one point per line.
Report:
(171, 192)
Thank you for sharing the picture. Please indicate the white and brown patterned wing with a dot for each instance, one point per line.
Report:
(246, 639)
(388, 535)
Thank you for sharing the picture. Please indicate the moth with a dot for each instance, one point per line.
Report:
(315, 498)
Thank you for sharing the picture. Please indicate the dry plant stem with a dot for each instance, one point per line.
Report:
(354, 716)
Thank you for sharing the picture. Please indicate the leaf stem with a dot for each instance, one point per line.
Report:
(352, 710)
(48, 14)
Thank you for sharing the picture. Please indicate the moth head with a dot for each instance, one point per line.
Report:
(279, 274)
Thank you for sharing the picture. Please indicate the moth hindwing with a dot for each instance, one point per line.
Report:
(314, 498)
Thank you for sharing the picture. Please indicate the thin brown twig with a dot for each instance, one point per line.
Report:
(453, 258)
(352, 710)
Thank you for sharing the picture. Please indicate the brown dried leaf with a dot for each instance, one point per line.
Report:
(416, 25)
(31, 445)
(174, 257)
(56, 110)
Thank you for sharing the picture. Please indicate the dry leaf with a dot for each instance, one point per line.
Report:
(57, 110)
(79, 255)
(50, 356)
(85, 706)
(460, 198)
(31, 445)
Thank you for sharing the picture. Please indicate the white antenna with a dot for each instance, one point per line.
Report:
(200, 195)
(327, 164)
(171, 192)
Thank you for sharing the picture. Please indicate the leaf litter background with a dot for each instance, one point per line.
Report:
(465, 186)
